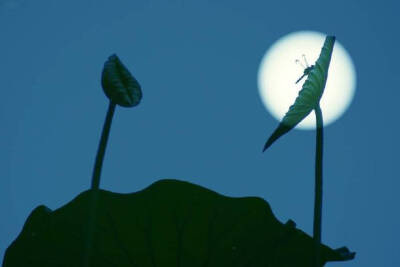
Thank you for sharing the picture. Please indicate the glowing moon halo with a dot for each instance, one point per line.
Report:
(278, 73)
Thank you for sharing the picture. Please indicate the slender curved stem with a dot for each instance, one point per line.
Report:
(94, 194)
(318, 188)
(102, 147)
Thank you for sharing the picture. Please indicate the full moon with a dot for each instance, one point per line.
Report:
(278, 73)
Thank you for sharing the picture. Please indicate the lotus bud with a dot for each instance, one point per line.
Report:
(118, 83)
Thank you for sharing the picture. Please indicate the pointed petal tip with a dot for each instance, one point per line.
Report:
(281, 130)
(266, 146)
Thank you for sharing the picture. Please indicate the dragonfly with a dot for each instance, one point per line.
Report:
(307, 68)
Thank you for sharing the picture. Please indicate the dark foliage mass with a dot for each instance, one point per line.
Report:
(169, 223)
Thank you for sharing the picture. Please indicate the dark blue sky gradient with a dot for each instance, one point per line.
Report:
(201, 118)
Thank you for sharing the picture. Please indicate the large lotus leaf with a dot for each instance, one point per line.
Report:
(310, 94)
(170, 223)
(118, 83)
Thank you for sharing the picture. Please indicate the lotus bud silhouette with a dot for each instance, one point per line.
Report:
(118, 83)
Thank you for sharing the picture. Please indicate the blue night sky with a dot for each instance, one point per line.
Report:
(201, 118)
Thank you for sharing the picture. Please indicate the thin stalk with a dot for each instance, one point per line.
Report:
(318, 188)
(102, 146)
(94, 194)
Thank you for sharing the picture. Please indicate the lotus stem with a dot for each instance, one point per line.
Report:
(318, 188)
(95, 186)
(102, 147)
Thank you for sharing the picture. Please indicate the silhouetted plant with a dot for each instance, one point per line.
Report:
(123, 89)
(169, 223)
(308, 100)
